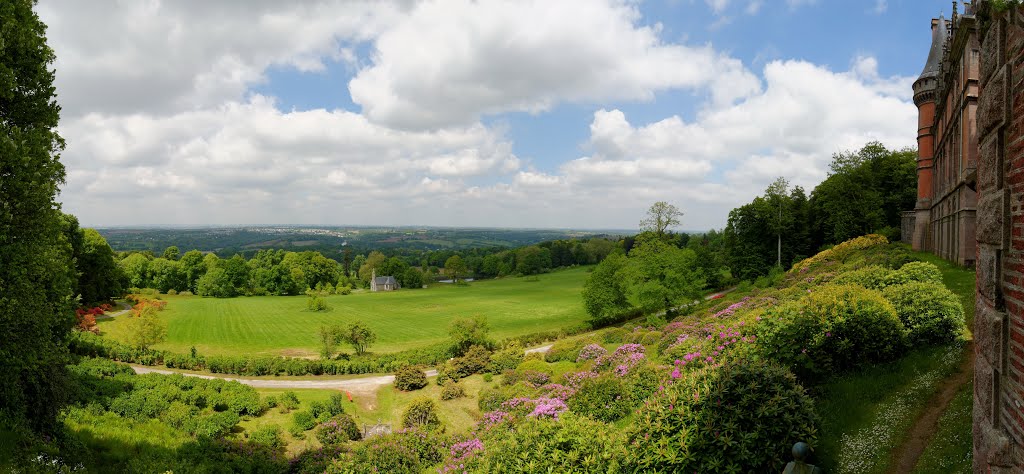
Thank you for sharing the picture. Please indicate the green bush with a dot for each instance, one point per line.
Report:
(834, 328)
(874, 277)
(474, 361)
(410, 378)
(606, 398)
(269, 436)
(288, 402)
(741, 417)
(452, 391)
(406, 452)
(338, 430)
(614, 336)
(303, 420)
(490, 399)
(506, 359)
(931, 313)
(421, 413)
(569, 444)
(923, 272)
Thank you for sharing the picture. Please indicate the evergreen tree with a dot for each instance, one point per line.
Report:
(36, 271)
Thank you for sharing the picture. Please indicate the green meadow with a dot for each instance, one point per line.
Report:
(404, 319)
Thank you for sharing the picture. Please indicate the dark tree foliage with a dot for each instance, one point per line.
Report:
(865, 193)
(36, 274)
(99, 277)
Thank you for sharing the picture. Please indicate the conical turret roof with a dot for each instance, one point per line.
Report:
(932, 66)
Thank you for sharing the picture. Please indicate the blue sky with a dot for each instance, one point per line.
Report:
(517, 114)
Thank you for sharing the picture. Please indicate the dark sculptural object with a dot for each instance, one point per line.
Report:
(800, 452)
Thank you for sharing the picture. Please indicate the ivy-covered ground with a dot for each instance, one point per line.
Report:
(841, 352)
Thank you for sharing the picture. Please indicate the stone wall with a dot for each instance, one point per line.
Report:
(907, 221)
(999, 321)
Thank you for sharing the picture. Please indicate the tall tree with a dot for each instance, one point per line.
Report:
(660, 217)
(36, 272)
(99, 277)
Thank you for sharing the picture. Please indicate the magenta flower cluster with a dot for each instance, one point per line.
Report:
(576, 378)
(732, 308)
(460, 453)
(591, 352)
(548, 408)
(624, 359)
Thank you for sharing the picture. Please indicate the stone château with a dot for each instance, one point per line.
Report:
(946, 96)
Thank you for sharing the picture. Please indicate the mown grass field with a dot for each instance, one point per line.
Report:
(405, 319)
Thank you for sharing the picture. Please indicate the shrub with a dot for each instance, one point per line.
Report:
(506, 359)
(566, 349)
(606, 398)
(421, 413)
(569, 444)
(874, 277)
(452, 391)
(490, 399)
(288, 402)
(407, 451)
(488, 377)
(741, 417)
(834, 328)
(303, 420)
(475, 360)
(923, 272)
(185, 293)
(338, 430)
(172, 292)
(931, 313)
(614, 335)
(591, 352)
(269, 436)
(410, 378)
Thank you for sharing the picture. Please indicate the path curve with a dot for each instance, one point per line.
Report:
(921, 433)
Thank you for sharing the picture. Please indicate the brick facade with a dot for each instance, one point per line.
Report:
(946, 95)
(999, 320)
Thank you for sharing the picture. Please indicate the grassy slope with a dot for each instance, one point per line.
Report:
(402, 319)
(866, 415)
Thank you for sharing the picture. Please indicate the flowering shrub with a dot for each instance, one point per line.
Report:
(591, 352)
(574, 379)
(542, 407)
(460, 453)
(622, 360)
(388, 454)
(741, 417)
(532, 378)
(729, 310)
(606, 398)
(410, 378)
(338, 430)
(491, 399)
(931, 313)
(834, 328)
(421, 413)
(707, 345)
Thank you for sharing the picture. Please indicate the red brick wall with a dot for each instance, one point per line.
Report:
(999, 320)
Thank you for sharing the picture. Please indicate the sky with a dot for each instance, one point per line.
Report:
(527, 113)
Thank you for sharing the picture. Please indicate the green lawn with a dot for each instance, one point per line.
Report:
(402, 320)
